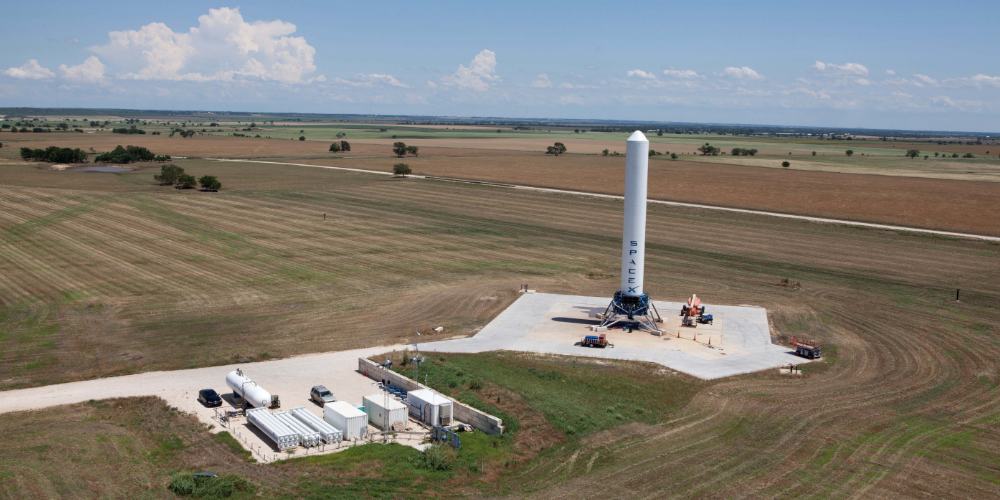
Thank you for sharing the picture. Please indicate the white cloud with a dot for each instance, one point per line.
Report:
(91, 70)
(943, 99)
(744, 73)
(479, 76)
(904, 95)
(925, 79)
(369, 80)
(73, 40)
(975, 81)
(386, 79)
(213, 51)
(681, 74)
(638, 73)
(890, 72)
(30, 70)
(822, 94)
(862, 81)
(542, 81)
(841, 69)
(743, 91)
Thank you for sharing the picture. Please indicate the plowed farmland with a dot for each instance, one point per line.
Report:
(102, 274)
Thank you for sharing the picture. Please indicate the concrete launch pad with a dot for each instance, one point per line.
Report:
(738, 341)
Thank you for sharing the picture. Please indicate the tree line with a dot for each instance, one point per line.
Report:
(129, 154)
(172, 175)
(128, 131)
(55, 154)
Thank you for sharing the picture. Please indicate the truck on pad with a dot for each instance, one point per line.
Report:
(596, 341)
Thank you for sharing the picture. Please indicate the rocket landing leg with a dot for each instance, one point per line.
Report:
(637, 311)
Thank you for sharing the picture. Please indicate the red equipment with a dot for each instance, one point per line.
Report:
(807, 348)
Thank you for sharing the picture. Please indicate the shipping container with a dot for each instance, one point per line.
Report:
(282, 436)
(430, 407)
(328, 433)
(352, 422)
(385, 412)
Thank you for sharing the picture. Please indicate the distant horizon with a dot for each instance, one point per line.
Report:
(5, 110)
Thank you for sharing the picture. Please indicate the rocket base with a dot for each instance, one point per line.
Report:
(637, 311)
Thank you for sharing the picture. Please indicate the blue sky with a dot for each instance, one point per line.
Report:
(913, 65)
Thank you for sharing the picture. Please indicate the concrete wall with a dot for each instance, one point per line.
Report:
(462, 412)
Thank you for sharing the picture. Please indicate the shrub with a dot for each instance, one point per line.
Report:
(556, 149)
(302, 137)
(210, 183)
(849, 152)
(969, 155)
(401, 169)
(439, 457)
(224, 486)
(169, 175)
(786, 164)
(186, 181)
(335, 147)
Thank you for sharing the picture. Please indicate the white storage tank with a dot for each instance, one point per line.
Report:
(347, 419)
(243, 387)
(385, 412)
(327, 432)
(430, 407)
(282, 436)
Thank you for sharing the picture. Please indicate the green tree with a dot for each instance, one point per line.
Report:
(673, 156)
(736, 151)
(401, 170)
(604, 153)
(302, 137)
(849, 152)
(556, 149)
(186, 181)
(399, 148)
(786, 164)
(814, 153)
(913, 153)
(169, 175)
(412, 150)
(345, 146)
(210, 183)
(335, 147)
(708, 150)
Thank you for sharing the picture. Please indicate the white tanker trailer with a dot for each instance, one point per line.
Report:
(243, 387)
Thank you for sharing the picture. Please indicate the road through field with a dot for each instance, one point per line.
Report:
(823, 220)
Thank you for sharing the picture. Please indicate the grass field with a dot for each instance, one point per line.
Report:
(102, 274)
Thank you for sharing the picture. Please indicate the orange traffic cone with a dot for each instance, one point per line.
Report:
(678, 334)
(710, 341)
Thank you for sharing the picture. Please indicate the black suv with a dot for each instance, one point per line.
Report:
(209, 398)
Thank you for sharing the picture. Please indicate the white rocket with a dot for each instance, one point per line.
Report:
(634, 228)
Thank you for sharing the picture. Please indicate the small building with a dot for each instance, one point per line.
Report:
(385, 412)
(430, 407)
(347, 419)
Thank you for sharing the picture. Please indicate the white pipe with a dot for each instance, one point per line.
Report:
(634, 226)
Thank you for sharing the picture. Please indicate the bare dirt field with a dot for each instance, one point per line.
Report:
(929, 203)
(102, 274)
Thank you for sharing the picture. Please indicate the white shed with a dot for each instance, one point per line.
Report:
(430, 407)
(347, 419)
(385, 412)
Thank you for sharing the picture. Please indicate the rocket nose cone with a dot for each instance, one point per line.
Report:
(637, 136)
